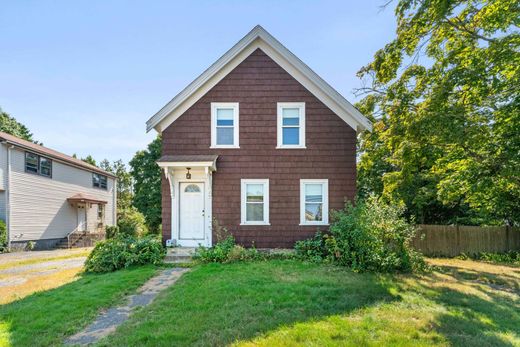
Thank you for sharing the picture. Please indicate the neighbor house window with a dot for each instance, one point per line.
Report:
(255, 201)
(291, 125)
(314, 202)
(99, 181)
(224, 125)
(37, 164)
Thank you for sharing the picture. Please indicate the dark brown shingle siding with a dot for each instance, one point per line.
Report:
(258, 83)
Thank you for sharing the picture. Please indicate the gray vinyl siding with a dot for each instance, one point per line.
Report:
(39, 206)
(3, 166)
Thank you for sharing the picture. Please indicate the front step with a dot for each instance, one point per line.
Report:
(178, 255)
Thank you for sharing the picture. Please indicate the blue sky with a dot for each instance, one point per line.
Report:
(85, 76)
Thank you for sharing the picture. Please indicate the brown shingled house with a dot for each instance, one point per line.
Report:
(260, 143)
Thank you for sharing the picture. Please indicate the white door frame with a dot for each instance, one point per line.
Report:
(176, 176)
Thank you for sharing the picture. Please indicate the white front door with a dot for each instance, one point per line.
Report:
(82, 218)
(191, 211)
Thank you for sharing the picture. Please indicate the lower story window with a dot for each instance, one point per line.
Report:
(255, 201)
(314, 202)
(101, 213)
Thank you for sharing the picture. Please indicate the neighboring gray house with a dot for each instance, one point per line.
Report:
(51, 198)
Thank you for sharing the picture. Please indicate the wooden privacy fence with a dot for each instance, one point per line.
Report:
(452, 240)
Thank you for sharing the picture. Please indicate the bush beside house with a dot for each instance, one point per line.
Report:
(370, 236)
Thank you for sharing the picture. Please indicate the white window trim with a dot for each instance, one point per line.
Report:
(243, 183)
(236, 126)
(325, 207)
(282, 105)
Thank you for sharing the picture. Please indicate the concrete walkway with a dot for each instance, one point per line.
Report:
(108, 321)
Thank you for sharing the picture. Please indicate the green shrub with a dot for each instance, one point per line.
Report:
(124, 251)
(312, 249)
(111, 231)
(511, 257)
(227, 251)
(370, 236)
(216, 254)
(131, 222)
(3, 237)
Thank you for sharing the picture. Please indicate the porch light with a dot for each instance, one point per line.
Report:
(188, 175)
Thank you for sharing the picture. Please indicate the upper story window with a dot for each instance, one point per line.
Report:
(224, 125)
(291, 125)
(99, 181)
(255, 202)
(37, 164)
(314, 202)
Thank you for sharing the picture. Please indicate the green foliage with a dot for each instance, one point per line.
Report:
(9, 125)
(370, 236)
(89, 160)
(444, 99)
(124, 251)
(312, 249)
(146, 175)
(227, 251)
(218, 253)
(512, 257)
(131, 222)
(124, 182)
(111, 231)
(3, 237)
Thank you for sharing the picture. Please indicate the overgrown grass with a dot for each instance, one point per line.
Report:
(289, 303)
(46, 318)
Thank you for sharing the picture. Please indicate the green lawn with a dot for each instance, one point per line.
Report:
(288, 303)
(46, 318)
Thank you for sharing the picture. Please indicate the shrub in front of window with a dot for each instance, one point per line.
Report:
(124, 251)
(370, 236)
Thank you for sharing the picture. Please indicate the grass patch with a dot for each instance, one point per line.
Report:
(47, 318)
(289, 303)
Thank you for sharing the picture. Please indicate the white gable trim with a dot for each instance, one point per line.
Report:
(258, 38)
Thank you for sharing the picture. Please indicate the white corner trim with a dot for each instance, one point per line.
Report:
(279, 121)
(236, 124)
(325, 201)
(243, 184)
(258, 38)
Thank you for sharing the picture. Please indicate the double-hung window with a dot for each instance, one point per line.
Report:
(99, 181)
(291, 125)
(224, 125)
(37, 164)
(314, 202)
(255, 202)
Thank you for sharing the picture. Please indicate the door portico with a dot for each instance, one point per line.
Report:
(191, 197)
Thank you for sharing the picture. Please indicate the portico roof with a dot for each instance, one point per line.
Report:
(82, 197)
(191, 161)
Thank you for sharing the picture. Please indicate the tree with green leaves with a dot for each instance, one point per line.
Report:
(11, 126)
(89, 160)
(124, 182)
(444, 98)
(146, 176)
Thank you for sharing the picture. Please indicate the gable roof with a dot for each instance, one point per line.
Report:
(39, 149)
(258, 38)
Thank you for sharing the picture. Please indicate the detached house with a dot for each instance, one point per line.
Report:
(50, 198)
(258, 142)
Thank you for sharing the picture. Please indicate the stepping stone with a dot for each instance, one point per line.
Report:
(107, 322)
